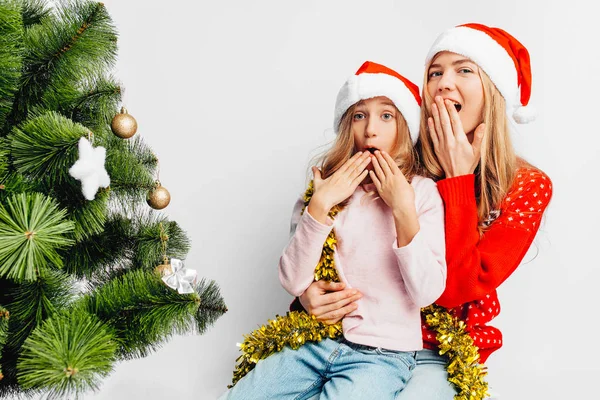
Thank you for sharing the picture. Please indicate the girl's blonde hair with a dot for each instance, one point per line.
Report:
(343, 147)
(498, 162)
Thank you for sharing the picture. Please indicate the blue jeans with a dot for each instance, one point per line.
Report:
(429, 380)
(329, 369)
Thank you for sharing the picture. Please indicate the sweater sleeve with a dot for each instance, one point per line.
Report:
(302, 253)
(423, 261)
(478, 265)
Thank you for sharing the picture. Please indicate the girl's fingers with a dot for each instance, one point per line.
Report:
(375, 180)
(384, 164)
(316, 174)
(356, 167)
(360, 168)
(350, 162)
(356, 181)
(391, 163)
(377, 168)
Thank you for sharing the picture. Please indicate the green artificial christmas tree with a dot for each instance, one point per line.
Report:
(89, 273)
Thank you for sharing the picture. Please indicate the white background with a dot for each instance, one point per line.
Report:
(236, 96)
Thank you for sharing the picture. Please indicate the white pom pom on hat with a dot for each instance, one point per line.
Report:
(503, 58)
(373, 80)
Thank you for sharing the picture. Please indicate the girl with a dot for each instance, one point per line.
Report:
(477, 79)
(390, 246)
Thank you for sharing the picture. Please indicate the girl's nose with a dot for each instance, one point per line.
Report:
(371, 129)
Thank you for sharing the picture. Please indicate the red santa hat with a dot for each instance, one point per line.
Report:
(373, 80)
(503, 58)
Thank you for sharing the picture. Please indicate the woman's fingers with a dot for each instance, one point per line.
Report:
(456, 123)
(445, 123)
(345, 297)
(438, 124)
(335, 316)
(433, 134)
(477, 139)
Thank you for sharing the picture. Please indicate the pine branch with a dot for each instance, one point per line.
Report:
(97, 255)
(148, 251)
(89, 217)
(11, 55)
(3, 163)
(74, 43)
(212, 305)
(30, 303)
(67, 355)
(33, 11)
(144, 312)
(32, 229)
(14, 183)
(92, 102)
(131, 166)
(45, 147)
(4, 315)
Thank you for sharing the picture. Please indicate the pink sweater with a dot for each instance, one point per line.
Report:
(395, 282)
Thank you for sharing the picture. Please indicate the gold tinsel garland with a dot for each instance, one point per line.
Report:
(464, 370)
(297, 327)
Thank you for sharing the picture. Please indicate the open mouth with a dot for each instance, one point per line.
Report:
(371, 149)
(457, 106)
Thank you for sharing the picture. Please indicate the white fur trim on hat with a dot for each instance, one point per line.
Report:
(366, 86)
(490, 56)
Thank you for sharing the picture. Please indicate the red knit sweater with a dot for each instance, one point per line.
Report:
(478, 265)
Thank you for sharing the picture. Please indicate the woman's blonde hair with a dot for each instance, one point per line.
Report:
(343, 147)
(498, 162)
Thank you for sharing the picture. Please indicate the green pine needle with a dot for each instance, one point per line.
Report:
(149, 251)
(32, 229)
(11, 55)
(131, 166)
(73, 43)
(67, 355)
(4, 316)
(46, 146)
(145, 312)
(34, 11)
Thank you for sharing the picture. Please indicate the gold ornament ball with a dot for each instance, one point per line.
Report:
(124, 125)
(158, 198)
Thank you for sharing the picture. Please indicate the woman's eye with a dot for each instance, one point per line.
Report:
(465, 71)
(387, 116)
(435, 74)
(358, 116)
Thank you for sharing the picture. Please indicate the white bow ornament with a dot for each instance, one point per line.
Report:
(182, 279)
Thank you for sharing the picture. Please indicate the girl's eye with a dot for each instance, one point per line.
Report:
(387, 116)
(435, 74)
(465, 71)
(358, 116)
